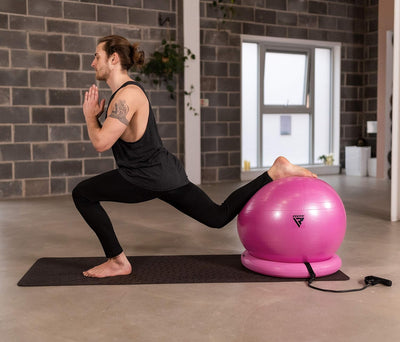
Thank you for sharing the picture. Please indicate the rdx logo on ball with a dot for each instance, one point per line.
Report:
(298, 219)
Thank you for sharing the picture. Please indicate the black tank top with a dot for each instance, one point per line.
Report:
(145, 162)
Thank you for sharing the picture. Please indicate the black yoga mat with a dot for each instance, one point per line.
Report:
(172, 269)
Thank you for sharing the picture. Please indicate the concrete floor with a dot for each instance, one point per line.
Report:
(246, 312)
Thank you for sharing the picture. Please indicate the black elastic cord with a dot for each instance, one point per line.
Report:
(311, 272)
(312, 278)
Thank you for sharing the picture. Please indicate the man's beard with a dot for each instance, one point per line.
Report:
(101, 75)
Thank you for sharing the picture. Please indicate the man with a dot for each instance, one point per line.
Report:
(146, 170)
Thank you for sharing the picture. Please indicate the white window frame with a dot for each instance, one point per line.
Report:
(335, 48)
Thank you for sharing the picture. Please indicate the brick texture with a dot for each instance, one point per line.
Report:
(46, 48)
(354, 24)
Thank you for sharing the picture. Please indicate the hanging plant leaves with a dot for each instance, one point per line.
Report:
(165, 63)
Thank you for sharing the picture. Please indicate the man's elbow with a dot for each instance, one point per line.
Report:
(99, 147)
(100, 150)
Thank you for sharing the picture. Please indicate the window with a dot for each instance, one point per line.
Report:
(290, 100)
(285, 78)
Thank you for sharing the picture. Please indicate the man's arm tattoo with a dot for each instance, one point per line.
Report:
(120, 112)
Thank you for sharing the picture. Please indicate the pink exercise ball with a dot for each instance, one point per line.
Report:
(291, 221)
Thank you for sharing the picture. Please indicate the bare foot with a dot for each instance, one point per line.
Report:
(282, 168)
(118, 265)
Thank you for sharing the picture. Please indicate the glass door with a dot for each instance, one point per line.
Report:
(286, 114)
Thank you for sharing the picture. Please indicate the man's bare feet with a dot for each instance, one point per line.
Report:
(118, 265)
(282, 168)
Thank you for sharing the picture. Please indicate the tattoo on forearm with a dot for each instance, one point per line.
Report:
(120, 112)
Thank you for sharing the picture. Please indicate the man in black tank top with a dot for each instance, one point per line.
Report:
(146, 170)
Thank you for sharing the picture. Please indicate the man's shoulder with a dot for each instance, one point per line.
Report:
(129, 91)
(132, 95)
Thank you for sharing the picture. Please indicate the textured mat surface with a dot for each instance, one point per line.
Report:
(173, 269)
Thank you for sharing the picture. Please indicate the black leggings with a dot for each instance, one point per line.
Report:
(189, 199)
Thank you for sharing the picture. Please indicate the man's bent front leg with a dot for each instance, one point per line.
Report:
(96, 217)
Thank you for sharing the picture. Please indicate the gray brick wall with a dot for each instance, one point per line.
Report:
(46, 48)
(353, 23)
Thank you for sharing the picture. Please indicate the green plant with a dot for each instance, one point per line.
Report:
(165, 63)
(327, 159)
(227, 11)
(189, 104)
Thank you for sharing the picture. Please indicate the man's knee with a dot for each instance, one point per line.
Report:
(78, 192)
(76, 195)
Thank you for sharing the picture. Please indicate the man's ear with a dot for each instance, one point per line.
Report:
(114, 58)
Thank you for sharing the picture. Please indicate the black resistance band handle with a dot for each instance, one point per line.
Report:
(369, 281)
(376, 280)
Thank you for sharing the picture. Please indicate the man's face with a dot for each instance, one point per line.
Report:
(100, 63)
